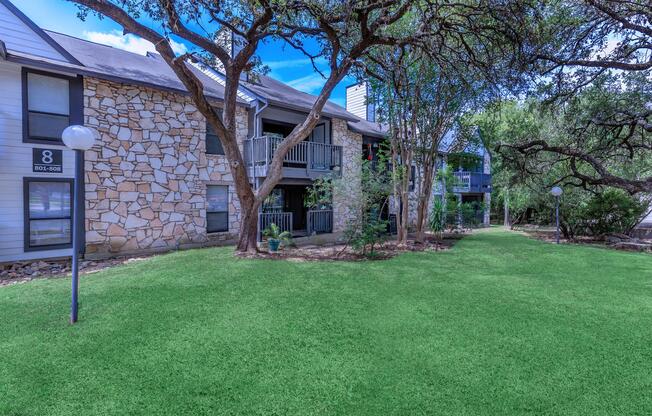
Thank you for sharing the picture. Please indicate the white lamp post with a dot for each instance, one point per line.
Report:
(556, 192)
(77, 138)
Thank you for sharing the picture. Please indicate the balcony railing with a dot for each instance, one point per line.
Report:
(314, 159)
(282, 219)
(471, 182)
(320, 221)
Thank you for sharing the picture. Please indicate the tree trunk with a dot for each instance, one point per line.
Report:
(424, 200)
(248, 237)
(506, 221)
(248, 240)
(402, 235)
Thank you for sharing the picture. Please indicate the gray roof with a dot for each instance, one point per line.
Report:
(151, 70)
(128, 66)
(369, 128)
(282, 95)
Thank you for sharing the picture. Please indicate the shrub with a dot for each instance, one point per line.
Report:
(437, 216)
(611, 211)
(365, 230)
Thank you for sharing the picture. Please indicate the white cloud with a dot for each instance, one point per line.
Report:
(294, 63)
(131, 43)
(311, 83)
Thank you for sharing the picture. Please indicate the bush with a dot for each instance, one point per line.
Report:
(367, 229)
(611, 211)
(472, 214)
(437, 218)
(450, 214)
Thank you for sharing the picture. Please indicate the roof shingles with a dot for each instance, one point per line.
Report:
(151, 70)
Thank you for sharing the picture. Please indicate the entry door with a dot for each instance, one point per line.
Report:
(294, 196)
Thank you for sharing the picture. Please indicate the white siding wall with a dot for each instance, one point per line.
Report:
(17, 36)
(648, 218)
(15, 164)
(356, 100)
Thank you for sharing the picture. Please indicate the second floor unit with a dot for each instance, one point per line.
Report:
(469, 170)
(316, 156)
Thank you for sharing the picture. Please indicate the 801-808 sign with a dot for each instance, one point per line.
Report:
(47, 160)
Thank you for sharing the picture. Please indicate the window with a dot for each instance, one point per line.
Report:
(217, 208)
(47, 104)
(213, 144)
(48, 214)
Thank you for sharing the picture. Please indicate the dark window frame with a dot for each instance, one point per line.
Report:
(26, 218)
(75, 102)
(220, 152)
(218, 212)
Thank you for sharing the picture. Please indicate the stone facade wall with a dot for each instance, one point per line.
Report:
(146, 181)
(351, 172)
(215, 171)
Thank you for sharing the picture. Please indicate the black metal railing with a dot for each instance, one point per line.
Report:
(282, 219)
(320, 221)
(258, 153)
(471, 182)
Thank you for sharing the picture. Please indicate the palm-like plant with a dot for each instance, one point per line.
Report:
(275, 236)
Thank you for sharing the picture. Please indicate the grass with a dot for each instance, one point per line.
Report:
(500, 324)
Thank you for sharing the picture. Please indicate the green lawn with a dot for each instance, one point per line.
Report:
(500, 324)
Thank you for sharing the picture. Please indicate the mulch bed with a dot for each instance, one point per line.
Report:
(613, 241)
(25, 271)
(342, 252)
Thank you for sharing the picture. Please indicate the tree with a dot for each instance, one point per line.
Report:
(423, 89)
(523, 183)
(588, 135)
(573, 46)
(432, 98)
(344, 31)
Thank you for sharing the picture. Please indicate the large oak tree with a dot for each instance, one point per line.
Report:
(576, 46)
(343, 31)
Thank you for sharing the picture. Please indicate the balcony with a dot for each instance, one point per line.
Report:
(305, 160)
(319, 222)
(471, 182)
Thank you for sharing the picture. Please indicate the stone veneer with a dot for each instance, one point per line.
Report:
(351, 171)
(146, 181)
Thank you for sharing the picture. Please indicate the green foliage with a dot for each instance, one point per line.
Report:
(365, 235)
(612, 211)
(367, 229)
(471, 214)
(320, 194)
(468, 162)
(437, 218)
(273, 232)
(524, 183)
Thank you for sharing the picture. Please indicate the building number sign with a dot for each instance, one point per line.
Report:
(47, 160)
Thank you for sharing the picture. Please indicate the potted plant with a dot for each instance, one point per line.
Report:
(275, 237)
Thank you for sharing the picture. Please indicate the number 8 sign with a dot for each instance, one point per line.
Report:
(47, 160)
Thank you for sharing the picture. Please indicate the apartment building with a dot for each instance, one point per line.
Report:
(157, 178)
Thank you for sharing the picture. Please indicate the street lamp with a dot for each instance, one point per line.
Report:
(77, 138)
(556, 192)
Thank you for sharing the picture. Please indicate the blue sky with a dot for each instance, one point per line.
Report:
(286, 64)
